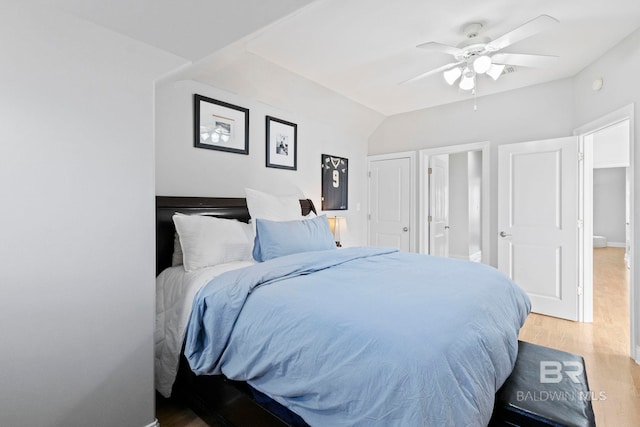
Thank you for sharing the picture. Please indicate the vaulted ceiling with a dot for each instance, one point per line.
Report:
(192, 29)
(363, 49)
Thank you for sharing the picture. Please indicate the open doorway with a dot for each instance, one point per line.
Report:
(465, 205)
(607, 205)
(610, 255)
(454, 208)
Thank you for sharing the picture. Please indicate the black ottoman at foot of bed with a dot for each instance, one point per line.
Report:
(547, 387)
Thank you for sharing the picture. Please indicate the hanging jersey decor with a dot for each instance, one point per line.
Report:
(335, 183)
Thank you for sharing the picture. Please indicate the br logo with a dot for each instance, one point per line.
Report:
(551, 372)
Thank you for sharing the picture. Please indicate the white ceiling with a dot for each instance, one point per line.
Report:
(192, 29)
(362, 49)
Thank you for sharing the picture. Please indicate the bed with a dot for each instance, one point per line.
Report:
(355, 336)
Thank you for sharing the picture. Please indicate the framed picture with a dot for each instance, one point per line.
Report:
(335, 183)
(220, 126)
(282, 144)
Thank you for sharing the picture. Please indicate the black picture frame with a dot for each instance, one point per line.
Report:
(218, 125)
(281, 144)
(335, 183)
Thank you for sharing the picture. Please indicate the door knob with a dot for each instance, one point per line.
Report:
(503, 234)
(446, 227)
(405, 229)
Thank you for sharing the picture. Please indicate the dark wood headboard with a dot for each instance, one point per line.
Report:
(231, 208)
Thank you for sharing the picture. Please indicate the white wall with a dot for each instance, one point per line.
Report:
(609, 202)
(76, 184)
(327, 124)
(475, 202)
(611, 146)
(459, 206)
(538, 112)
(618, 69)
(465, 193)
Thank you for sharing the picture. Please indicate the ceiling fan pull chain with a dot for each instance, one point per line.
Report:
(475, 104)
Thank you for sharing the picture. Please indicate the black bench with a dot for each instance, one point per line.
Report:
(547, 387)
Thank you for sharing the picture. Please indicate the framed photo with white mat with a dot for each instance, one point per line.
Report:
(220, 126)
(282, 144)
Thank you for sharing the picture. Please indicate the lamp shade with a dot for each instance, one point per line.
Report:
(481, 64)
(467, 83)
(452, 75)
(495, 71)
(337, 224)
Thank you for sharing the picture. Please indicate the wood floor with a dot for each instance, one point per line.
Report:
(604, 344)
(174, 414)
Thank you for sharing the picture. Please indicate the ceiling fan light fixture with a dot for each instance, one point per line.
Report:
(495, 71)
(475, 56)
(467, 82)
(452, 75)
(482, 64)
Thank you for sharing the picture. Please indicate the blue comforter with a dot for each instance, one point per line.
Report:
(363, 336)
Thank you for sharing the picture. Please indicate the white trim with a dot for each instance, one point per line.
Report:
(388, 156)
(613, 165)
(585, 238)
(607, 120)
(616, 245)
(156, 423)
(413, 235)
(423, 197)
(475, 257)
(625, 113)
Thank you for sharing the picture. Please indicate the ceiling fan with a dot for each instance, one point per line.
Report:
(479, 55)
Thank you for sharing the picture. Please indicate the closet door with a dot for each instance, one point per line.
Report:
(390, 202)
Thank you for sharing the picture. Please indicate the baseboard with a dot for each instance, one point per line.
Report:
(156, 423)
(616, 245)
(476, 257)
(636, 356)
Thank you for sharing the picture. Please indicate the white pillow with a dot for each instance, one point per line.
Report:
(274, 208)
(207, 241)
(177, 251)
(177, 258)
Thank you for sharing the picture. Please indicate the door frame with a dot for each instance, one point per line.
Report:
(586, 301)
(412, 193)
(423, 189)
(443, 159)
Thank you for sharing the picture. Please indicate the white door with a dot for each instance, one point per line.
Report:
(439, 205)
(627, 217)
(538, 222)
(390, 203)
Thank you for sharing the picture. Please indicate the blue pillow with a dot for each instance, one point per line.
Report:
(278, 238)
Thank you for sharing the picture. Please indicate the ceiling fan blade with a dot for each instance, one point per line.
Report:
(439, 47)
(432, 72)
(522, 59)
(524, 31)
